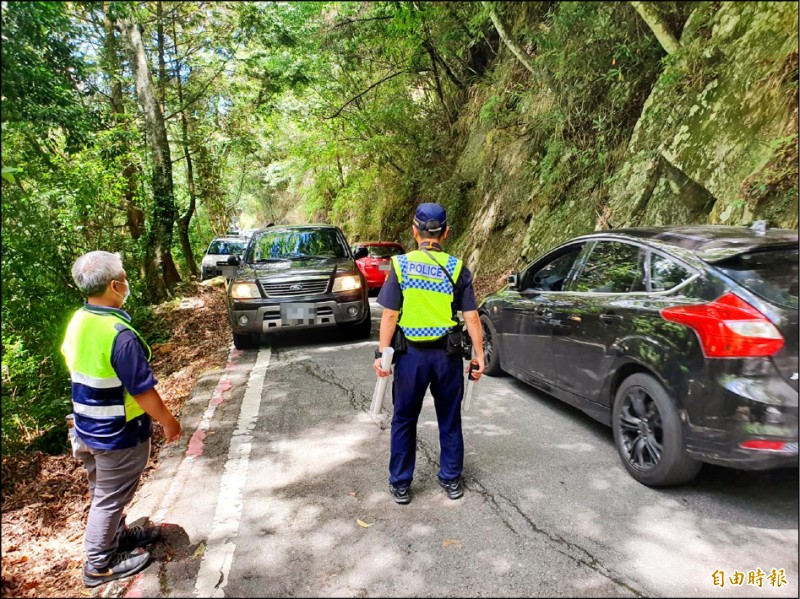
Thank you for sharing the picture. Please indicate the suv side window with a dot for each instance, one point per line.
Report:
(665, 273)
(612, 267)
(552, 275)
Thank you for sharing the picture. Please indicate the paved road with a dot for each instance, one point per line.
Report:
(265, 498)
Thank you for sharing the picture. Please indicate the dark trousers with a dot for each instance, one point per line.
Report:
(414, 371)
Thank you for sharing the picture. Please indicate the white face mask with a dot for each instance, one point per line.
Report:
(127, 292)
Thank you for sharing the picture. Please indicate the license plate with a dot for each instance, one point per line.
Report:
(297, 314)
(384, 267)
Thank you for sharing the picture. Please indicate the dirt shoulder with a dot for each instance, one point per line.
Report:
(45, 497)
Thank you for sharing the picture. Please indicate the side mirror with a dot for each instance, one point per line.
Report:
(361, 252)
(234, 260)
(513, 280)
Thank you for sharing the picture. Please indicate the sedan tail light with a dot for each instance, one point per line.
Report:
(763, 445)
(728, 327)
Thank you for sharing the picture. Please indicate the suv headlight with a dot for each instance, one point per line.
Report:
(349, 283)
(244, 291)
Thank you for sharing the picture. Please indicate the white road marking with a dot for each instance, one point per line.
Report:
(220, 546)
(186, 466)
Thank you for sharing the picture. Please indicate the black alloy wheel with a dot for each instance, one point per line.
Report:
(491, 355)
(648, 433)
(641, 429)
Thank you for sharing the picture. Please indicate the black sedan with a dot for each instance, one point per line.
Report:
(683, 339)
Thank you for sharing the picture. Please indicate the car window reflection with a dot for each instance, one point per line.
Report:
(665, 273)
(612, 267)
(321, 243)
(552, 276)
(225, 248)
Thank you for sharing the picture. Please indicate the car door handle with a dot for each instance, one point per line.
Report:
(610, 317)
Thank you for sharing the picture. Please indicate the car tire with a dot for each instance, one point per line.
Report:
(246, 341)
(363, 329)
(491, 351)
(648, 433)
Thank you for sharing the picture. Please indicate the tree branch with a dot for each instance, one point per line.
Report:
(354, 98)
(504, 35)
(198, 94)
(657, 25)
(351, 21)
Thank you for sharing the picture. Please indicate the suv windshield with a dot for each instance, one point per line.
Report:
(771, 274)
(225, 248)
(383, 251)
(297, 243)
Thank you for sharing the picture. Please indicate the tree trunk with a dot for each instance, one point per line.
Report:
(658, 26)
(504, 35)
(135, 220)
(159, 242)
(429, 48)
(162, 65)
(185, 220)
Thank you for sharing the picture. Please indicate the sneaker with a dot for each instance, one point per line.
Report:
(453, 488)
(401, 494)
(121, 565)
(138, 536)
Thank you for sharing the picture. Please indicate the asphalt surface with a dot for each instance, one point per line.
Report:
(264, 500)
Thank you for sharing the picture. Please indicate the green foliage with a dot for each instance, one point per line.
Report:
(40, 70)
(342, 112)
(35, 396)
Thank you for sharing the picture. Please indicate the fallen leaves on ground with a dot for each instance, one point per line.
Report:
(363, 524)
(45, 497)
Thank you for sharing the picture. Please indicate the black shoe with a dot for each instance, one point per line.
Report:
(401, 494)
(138, 536)
(454, 488)
(121, 565)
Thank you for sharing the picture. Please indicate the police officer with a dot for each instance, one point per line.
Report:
(113, 400)
(421, 295)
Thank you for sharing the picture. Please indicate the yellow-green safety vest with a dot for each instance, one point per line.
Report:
(427, 312)
(101, 405)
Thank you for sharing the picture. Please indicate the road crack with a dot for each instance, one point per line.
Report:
(560, 544)
(359, 401)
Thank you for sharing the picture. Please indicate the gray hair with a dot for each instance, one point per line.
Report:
(94, 271)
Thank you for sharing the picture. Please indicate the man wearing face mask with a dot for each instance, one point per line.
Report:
(113, 402)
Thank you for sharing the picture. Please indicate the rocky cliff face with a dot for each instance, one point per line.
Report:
(717, 141)
(714, 142)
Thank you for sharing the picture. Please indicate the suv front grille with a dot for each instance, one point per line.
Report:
(293, 288)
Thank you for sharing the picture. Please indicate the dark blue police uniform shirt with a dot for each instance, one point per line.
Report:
(391, 296)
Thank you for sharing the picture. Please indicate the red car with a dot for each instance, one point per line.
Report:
(375, 265)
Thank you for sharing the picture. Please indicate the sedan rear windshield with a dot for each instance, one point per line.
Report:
(297, 244)
(770, 274)
(225, 248)
(384, 251)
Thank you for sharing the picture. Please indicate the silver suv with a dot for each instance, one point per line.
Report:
(217, 255)
(296, 277)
